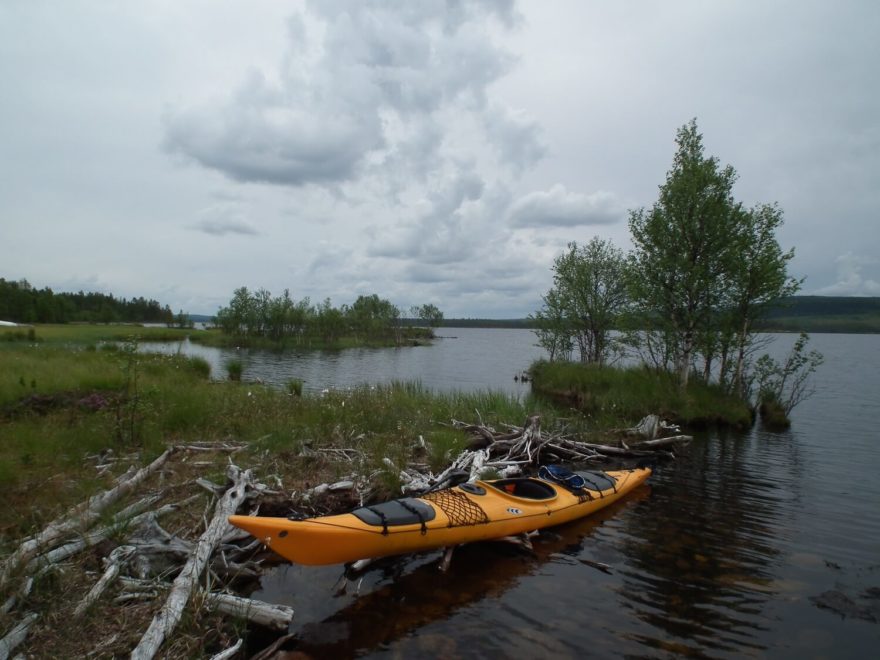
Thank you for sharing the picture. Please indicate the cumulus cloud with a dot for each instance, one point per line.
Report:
(516, 136)
(850, 281)
(558, 207)
(222, 219)
(334, 110)
(441, 231)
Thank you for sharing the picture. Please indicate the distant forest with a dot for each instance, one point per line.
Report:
(824, 314)
(22, 303)
(795, 314)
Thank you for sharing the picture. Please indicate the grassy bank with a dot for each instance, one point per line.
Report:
(58, 405)
(622, 396)
(88, 333)
(93, 334)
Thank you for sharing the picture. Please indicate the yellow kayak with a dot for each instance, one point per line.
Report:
(473, 511)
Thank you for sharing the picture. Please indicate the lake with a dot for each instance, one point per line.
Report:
(719, 557)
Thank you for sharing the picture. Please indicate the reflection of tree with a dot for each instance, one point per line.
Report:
(706, 548)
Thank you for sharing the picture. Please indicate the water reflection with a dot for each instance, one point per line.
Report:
(381, 610)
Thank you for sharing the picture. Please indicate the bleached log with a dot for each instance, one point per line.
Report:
(21, 594)
(116, 559)
(479, 461)
(360, 564)
(136, 597)
(93, 538)
(77, 519)
(447, 559)
(267, 615)
(166, 620)
(135, 585)
(16, 636)
(663, 442)
(650, 427)
(210, 486)
(230, 652)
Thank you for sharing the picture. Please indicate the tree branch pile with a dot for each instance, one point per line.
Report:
(518, 448)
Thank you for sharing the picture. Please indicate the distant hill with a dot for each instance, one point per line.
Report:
(825, 314)
(795, 314)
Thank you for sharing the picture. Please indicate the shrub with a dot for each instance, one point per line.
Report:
(234, 369)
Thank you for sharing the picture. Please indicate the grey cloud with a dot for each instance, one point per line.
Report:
(223, 219)
(516, 137)
(439, 235)
(560, 208)
(326, 118)
(263, 134)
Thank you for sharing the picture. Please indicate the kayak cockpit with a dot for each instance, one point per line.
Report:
(403, 511)
(524, 487)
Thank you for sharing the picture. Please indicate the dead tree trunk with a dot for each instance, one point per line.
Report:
(166, 620)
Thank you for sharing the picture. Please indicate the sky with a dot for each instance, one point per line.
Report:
(430, 152)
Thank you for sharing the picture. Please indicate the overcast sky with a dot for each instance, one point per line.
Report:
(430, 152)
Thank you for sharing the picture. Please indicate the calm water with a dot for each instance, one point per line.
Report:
(462, 358)
(718, 557)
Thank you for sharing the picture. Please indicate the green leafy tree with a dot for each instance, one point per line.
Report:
(787, 384)
(757, 281)
(683, 248)
(552, 328)
(587, 299)
(430, 315)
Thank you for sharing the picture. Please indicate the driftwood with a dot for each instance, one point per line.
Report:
(114, 563)
(649, 428)
(77, 519)
(22, 593)
(231, 652)
(16, 636)
(508, 453)
(68, 550)
(267, 615)
(166, 620)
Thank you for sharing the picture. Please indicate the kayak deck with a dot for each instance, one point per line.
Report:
(476, 511)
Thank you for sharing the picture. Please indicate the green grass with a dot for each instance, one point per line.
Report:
(614, 396)
(85, 333)
(58, 405)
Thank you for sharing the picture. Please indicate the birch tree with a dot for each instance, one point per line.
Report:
(588, 296)
(683, 247)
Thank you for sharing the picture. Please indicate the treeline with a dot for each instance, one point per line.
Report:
(20, 302)
(257, 314)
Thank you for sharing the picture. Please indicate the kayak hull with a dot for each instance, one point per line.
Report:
(480, 511)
